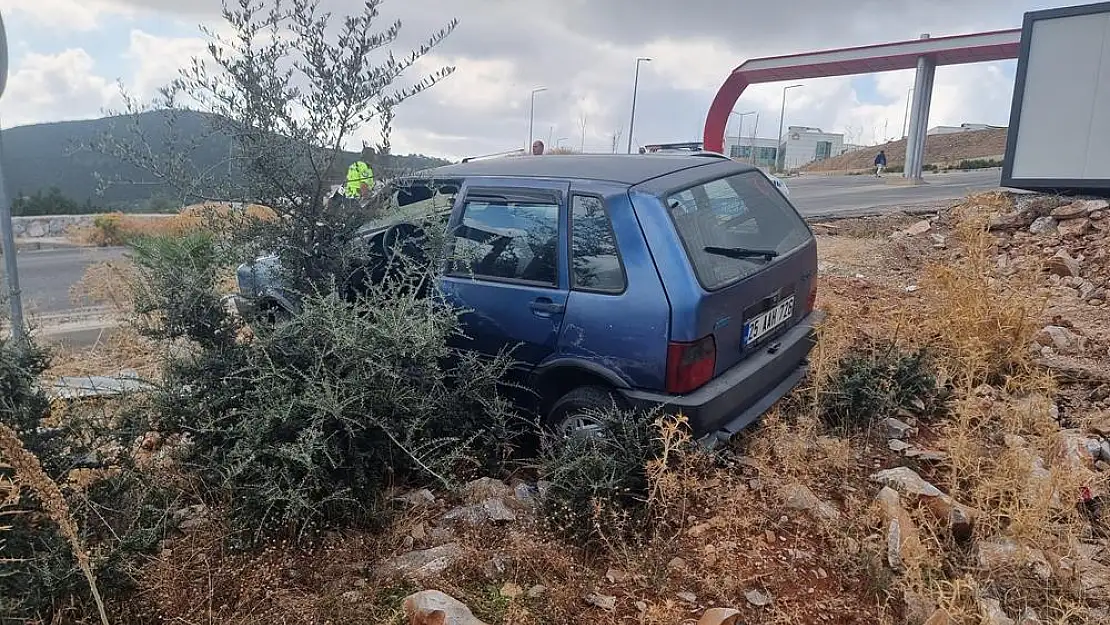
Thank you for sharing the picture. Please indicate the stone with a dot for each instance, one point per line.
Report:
(925, 455)
(906, 481)
(1029, 617)
(919, 608)
(1071, 211)
(895, 428)
(1093, 206)
(616, 576)
(1061, 339)
(676, 564)
(421, 564)
(496, 566)
(35, 230)
(486, 488)
(605, 602)
(1006, 553)
(351, 596)
(898, 446)
(432, 607)
(489, 511)
(800, 497)
(537, 591)
(1074, 227)
(1074, 450)
(418, 532)
(1006, 221)
(902, 539)
(417, 498)
(919, 228)
(770, 537)
(688, 597)
(1063, 265)
(939, 617)
(992, 613)
(758, 598)
(720, 616)
(1043, 225)
(511, 590)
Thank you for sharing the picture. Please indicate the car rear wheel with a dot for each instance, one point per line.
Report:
(578, 413)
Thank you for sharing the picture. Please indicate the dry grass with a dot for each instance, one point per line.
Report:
(115, 229)
(29, 474)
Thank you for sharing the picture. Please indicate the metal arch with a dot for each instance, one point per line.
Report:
(953, 50)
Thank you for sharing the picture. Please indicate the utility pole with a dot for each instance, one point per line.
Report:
(532, 118)
(7, 234)
(906, 116)
(780, 152)
(635, 90)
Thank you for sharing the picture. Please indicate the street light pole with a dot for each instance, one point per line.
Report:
(740, 130)
(780, 156)
(635, 90)
(7, 235)
(532, 116)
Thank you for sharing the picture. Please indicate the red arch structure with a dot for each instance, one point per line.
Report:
(956, 50)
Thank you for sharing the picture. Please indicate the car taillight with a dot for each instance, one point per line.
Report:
(690, 365)
(811, 301)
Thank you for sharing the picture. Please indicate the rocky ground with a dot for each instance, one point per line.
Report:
(989, 507)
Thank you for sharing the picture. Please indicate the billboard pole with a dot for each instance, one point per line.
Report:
(7, 236)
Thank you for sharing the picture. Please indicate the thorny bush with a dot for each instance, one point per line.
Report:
(875, 381)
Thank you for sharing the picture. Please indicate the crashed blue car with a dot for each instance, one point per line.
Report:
(683, 281)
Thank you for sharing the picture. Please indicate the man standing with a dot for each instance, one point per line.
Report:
(537, 148)
(880, 163)
(360, 180)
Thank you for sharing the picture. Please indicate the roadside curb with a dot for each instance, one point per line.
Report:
(45, 245)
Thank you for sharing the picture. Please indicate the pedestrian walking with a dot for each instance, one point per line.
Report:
(880, 163)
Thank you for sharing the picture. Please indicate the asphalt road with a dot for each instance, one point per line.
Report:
(46, 276)
(849, 195)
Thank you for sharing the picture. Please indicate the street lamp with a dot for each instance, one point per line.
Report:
(7, 240)
(740, 130)
(780, 157)
(532, 116)
(635, 89)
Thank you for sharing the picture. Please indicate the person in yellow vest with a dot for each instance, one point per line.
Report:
(360, 180)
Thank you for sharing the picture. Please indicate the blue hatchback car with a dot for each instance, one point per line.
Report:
(684, 281)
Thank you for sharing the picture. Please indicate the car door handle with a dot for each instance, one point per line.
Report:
(545, 307)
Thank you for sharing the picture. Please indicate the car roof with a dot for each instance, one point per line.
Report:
(619, 168)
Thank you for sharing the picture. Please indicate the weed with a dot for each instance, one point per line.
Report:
(877, 381)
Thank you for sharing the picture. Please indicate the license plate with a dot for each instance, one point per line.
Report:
(765, 323)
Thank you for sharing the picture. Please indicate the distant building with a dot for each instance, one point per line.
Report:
(765, 151)
(951, 130)
(804, 145)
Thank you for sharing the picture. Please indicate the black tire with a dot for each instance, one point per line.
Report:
(579, 405)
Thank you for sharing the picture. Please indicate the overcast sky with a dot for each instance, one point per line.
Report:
(68, 55)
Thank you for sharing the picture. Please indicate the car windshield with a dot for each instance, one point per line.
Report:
(414, 200)
(733, 226)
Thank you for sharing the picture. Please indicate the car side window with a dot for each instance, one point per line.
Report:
(595, 259)
(508, 240)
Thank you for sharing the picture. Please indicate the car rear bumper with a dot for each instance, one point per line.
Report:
(739, 396)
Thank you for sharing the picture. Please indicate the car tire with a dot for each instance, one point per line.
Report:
(573, 413)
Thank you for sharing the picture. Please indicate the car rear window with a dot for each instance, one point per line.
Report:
(738, 215)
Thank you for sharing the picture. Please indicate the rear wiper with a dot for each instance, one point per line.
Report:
(741, 252)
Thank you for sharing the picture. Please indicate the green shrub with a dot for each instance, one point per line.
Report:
(876, 381)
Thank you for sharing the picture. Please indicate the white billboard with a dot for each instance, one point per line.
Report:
(1059, 137)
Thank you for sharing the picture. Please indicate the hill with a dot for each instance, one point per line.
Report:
(41, 156)
(940, 150)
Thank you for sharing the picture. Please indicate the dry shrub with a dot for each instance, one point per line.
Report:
(108, 284)
(980, 328)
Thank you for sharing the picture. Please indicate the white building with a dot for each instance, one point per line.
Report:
(950, 130)
(743, 148)
(804, 145)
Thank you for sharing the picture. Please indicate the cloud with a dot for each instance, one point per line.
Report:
(584, 51)
(51, 87)
(65, 15)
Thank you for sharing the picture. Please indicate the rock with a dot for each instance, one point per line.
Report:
(770, 537)
(526, 493)
(35, 230)
(688, 597)
(605, 602)
(418, 532)
(898, 446)
(1075, 227)
(616, 576)
(536, 591)
(1063, 265)
(902, 540)
(432, 607)
(919, 228)
(1092, 206)
(417, 565)
(906, 481)
(919, 608)
(895, 428)
(486, 488)
(1063, 340)
(1005, 553)
(676, 564)
(758, 598)
(992, 613)
(939, 617)
(1043, 225)
(926, 456)
(351, 596)
(1006, 221)
(496, 566)
(799, 497)
(1029, 617)
(1074, 450)
(1071, 211)
(489, 511)
(511, 590)
(418, 498)
(720, 616)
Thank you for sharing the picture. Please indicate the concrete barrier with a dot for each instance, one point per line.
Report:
(56, 226)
